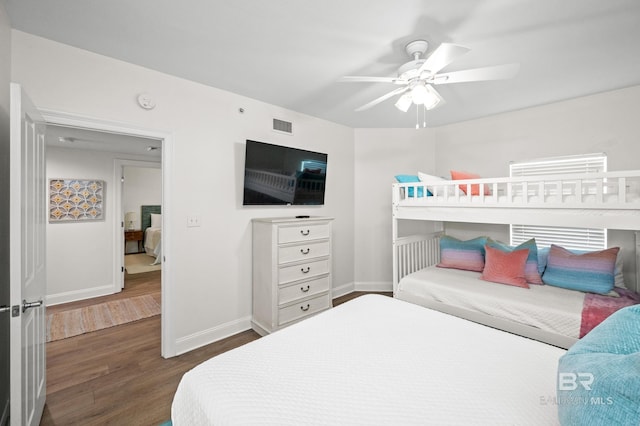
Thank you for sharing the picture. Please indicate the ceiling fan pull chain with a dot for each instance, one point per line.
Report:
(424, 123)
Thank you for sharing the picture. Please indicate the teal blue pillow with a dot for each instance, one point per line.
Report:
(599, 377)
(412, 179)
(466, 255)
(589, 272)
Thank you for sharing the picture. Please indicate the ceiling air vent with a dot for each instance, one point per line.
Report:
(282, 126)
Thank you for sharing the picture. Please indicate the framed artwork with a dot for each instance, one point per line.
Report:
(76, 200)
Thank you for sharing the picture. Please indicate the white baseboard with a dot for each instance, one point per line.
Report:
(85, 293)
(342, 290)
(377, 286)
(211, 335)
(373, 286)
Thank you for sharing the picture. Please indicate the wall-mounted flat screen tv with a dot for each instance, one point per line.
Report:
(280, 175)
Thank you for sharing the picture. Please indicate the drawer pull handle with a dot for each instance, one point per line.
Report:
(305, 251)
(305, 309)
(305, 233)
(305, 271)
(304, 290)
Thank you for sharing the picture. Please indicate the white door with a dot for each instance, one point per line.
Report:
(27, 260)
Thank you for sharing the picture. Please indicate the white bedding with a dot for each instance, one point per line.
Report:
(542, 306)
(152, 238)
(375, 361)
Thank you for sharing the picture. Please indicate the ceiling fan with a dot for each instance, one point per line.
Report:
(417, 77)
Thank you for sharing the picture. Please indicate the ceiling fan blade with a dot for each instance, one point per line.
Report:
(364, 79)
(498, 72)
(383, 98)
(442, 56)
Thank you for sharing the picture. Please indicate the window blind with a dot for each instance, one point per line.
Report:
(570, 238)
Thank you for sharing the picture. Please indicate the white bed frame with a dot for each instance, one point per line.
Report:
(596, 200)
(282, 187)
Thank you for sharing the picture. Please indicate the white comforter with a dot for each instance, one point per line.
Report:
(375, 361)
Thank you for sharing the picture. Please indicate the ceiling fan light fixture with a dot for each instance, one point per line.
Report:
(422, 94)
(404, 102)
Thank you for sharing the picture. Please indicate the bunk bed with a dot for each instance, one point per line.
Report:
(290, 189)
(594, 200)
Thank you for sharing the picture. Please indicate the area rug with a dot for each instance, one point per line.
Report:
(74, 322)
(139, 263)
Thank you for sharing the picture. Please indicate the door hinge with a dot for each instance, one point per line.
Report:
(122, 269)
(122, 224)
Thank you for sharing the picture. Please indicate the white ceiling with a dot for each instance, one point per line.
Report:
(292, 52)
(91, 140)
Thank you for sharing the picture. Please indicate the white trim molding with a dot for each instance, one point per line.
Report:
(68, 119)
(211, 335)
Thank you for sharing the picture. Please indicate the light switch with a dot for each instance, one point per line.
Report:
(193, 221)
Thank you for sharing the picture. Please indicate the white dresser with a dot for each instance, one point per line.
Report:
(291, 270)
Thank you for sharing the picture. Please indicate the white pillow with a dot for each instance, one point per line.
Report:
(156, 220)
(424, 177)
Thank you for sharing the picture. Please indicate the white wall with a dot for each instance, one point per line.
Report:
(5, 73)
(80, 261)
(212, 264)
(606, 122)
(380, 155)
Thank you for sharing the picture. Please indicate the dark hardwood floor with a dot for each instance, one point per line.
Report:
(116, 376)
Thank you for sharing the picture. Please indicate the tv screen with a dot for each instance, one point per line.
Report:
(279, 175)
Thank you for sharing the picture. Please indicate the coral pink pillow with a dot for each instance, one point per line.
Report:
(475, 189)
(505, 267)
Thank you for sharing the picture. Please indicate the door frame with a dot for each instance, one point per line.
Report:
(119, 249)
(168, 346)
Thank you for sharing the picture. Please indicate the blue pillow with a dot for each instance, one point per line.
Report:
(618, 276)
(466, 255)
(412, 179)
(599, 377)
(589, 272)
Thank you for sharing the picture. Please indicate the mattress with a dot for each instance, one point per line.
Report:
(375, 361)
(548, 308)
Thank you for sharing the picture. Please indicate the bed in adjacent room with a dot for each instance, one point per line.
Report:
(375, 361)
(151, 220)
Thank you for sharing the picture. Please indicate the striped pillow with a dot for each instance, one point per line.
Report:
(466, 255)
(531, 273)
(589, 272)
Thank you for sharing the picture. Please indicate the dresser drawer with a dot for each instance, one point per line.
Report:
(303, 232)
(303, 289)
(303, 309)
(304, 251)
(302, 271)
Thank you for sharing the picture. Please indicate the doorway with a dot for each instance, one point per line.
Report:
(164, 141)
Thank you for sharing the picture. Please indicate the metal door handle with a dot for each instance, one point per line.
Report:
(26, 305)
(4, 308)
